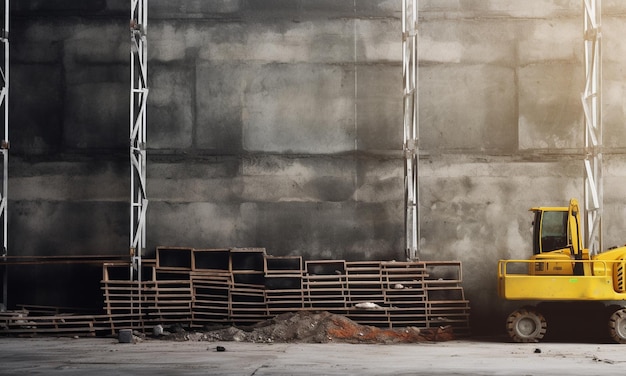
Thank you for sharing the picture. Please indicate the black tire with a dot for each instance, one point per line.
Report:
(526, 325)
(617, 326)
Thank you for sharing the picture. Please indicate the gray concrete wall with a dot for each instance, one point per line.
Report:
(278, 124)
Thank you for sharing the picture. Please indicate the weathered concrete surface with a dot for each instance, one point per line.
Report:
(106, 356)
(278, 124)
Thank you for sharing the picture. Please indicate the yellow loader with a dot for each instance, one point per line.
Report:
(561, 272)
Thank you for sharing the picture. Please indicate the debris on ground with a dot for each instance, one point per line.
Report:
(311, 327)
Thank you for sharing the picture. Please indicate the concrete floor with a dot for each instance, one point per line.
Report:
(106, 356)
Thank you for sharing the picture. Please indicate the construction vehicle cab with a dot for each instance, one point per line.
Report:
(556, 236)
(561, 270)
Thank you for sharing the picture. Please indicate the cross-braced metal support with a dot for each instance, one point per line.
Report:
(4, 145)
(592, 107)
(410, 64)
(138, 98)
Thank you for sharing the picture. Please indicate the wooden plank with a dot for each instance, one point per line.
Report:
(284, 300)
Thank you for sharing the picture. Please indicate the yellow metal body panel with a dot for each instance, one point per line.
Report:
(549, 208)
(522, 286)
(552, 263)
(611, 255)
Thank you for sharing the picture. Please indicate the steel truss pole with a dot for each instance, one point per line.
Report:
(592, 108)
(410, 67)
(4, 146)
(138, 98)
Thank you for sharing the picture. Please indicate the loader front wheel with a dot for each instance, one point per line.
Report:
(617, 326)
(526, 325)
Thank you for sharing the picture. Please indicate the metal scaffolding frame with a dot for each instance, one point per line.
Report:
(410, 67)
(138, 99)
(4, 146)
(592, 108)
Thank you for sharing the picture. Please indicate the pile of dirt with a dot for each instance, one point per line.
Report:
(311, 327)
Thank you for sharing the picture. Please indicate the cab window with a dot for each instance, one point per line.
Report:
(550, 229)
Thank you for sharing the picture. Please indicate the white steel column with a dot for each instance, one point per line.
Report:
(138, 97)
(592, 107)
(4, 146)
(410, 67)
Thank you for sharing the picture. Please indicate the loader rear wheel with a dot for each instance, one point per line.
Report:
(526, 325)
(617, 326)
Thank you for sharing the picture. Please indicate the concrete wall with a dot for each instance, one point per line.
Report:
(278, 124)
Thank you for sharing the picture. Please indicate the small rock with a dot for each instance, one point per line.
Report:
(125, 336)
(157, 330)
(138, 334)
(220, 348)
(239, 336)
(537, 351)
(177, 328)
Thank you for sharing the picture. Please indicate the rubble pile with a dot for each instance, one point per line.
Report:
(310, 327)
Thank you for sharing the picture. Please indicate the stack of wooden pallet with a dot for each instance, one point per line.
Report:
(247, 295)
(211, 282)
(403, 288)
(283, 284)
(25, 323)
(204, 287)
(124, 297)
(366, 297)
(446, 303)
(325, 285)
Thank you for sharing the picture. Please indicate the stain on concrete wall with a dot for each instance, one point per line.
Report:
(278, 124)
